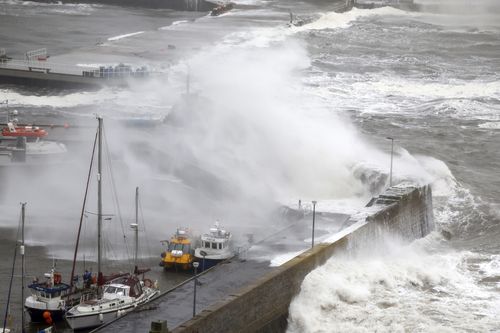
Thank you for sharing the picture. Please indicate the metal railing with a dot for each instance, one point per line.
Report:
(101, 72)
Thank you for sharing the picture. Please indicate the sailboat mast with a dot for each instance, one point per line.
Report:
(99, 202)
(136, 225)
(75, 254)
(23, 205)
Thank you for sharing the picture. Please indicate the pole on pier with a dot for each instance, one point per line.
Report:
(392, 154)
(195, 265)
(314, 218)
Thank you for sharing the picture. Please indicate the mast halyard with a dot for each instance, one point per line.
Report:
(99, 203)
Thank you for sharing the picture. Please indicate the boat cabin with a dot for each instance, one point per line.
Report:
(41, 290)
(216, 240)
(115, 291)
(214, 244)
(51, 288)
(178, 249)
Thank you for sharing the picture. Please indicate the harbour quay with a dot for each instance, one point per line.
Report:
(250, 295)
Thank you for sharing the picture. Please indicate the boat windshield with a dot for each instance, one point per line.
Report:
(185, 248)
(112, 290)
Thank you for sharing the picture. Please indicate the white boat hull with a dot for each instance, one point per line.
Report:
(95, 319)
(80, 320)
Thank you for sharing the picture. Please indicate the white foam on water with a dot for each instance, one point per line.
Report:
(174, 24)
(405, 290)
(333, 20)
(139, 102)
(125, 35)
(69, 100)
(451, 90)
(491, 267)
(27, 8)
(490, 125)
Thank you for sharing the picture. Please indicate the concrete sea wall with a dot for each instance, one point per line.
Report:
(404, 212)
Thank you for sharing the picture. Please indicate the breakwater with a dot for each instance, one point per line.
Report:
(44, 73)
(401, 212)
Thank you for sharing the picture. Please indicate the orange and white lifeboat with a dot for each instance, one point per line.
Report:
(26, 131)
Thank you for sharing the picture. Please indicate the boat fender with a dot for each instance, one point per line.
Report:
(48, 317)
(101, 317)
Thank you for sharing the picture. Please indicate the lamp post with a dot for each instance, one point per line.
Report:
(195, 265)
(314, 202)
(392, 154)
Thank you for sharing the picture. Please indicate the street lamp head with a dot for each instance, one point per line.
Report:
(314, 202)
(196, 264)
(203, 253)
(389, 138)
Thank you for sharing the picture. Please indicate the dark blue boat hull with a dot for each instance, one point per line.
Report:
(207, 263)
(36, 315)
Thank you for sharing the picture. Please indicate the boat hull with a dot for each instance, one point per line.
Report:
(95, 319)
(82, 320)
(36, 315)
(176, 266)
(207, 263)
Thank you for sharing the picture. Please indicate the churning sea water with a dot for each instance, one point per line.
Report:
(286, 112)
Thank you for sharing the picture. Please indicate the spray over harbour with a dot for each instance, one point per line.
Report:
(275, 114)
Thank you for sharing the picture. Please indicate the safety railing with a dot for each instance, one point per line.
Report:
(101, 72)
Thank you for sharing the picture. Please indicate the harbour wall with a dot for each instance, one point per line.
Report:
(402, 212)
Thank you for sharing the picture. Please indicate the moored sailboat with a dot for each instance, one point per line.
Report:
(51, 298)
(121, 294)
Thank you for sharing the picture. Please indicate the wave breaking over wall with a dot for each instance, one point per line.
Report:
(403, 212)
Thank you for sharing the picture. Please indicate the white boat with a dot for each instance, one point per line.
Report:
(216, 246)
(119, 297)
